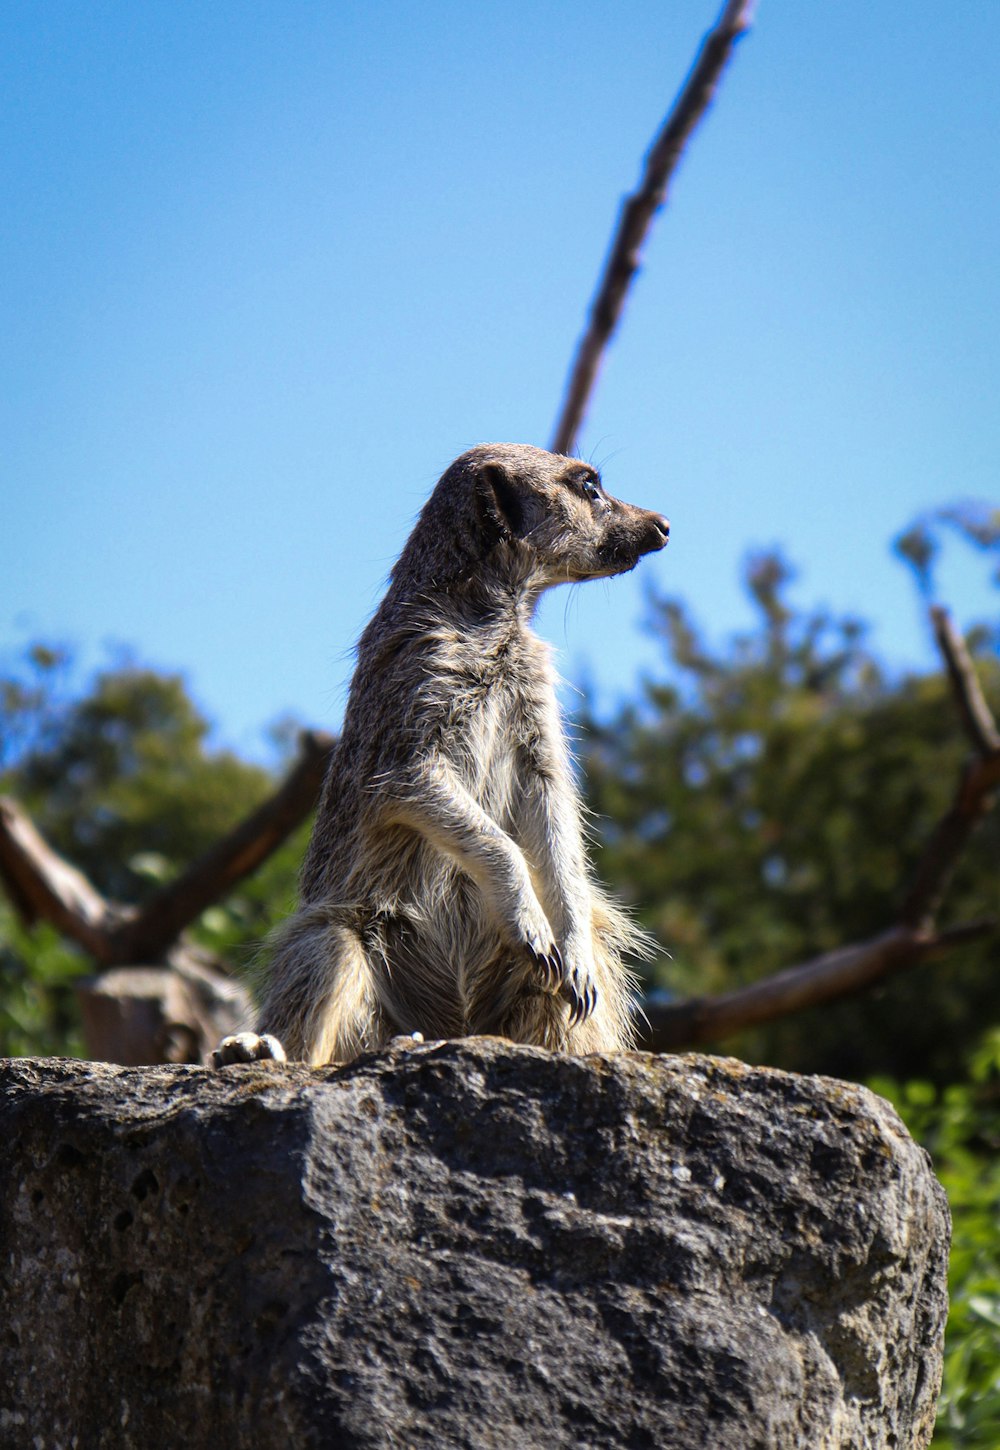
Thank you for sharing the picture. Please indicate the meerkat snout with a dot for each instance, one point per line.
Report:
(653, 535)
(661, 526)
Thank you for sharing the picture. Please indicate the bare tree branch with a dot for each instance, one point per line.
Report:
(976, 788)
(976, 715)
(45, 887)
(835, 974)
(973, 799)
(148, 935)
(638, 211)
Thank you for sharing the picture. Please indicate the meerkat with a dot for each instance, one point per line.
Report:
(447, 890)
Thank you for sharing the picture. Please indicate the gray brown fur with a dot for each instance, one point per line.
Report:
(446, 889)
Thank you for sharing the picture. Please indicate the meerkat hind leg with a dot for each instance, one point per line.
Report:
(323, 1002)
(505, 1000)
(320, 1003)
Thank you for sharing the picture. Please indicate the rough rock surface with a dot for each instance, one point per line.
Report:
(464, 1244)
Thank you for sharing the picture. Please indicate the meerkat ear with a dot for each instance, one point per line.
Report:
(501, 510)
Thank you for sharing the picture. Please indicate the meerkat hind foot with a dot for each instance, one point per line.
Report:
(248, 1047)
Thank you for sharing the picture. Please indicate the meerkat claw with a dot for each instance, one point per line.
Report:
(551, 964)
(582, 999)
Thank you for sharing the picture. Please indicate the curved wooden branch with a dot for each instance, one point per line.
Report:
(834, 974)
(936, 867)
(638, 211)
(43, 886)
(149, 934)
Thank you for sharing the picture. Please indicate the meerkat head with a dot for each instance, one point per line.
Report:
(551, 520)
(522, 517)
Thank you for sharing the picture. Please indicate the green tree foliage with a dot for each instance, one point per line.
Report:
(975, 522)
(770, 802)
(960, 1126)
(121, 779)
(38, 1015)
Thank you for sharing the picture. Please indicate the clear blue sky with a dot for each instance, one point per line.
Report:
(266, 268)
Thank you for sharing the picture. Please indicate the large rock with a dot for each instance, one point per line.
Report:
(464, 1244)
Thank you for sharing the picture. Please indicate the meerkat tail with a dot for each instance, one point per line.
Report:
(325, 1008)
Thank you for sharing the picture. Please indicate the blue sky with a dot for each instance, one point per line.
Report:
(266, 268)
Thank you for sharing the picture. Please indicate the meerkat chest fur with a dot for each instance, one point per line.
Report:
(495, 693)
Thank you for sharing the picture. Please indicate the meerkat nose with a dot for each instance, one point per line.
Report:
(662, 525)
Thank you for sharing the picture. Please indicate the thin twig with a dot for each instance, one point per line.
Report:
(836, 974)
(976, 714)
(976, 787)
(638, 211)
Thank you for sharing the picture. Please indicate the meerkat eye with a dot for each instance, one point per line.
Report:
(588, 487)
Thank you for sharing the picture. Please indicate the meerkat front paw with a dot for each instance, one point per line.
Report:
(248, 1047)
(576, 983)
(533, 932)
(580, 992)
(563, 974)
